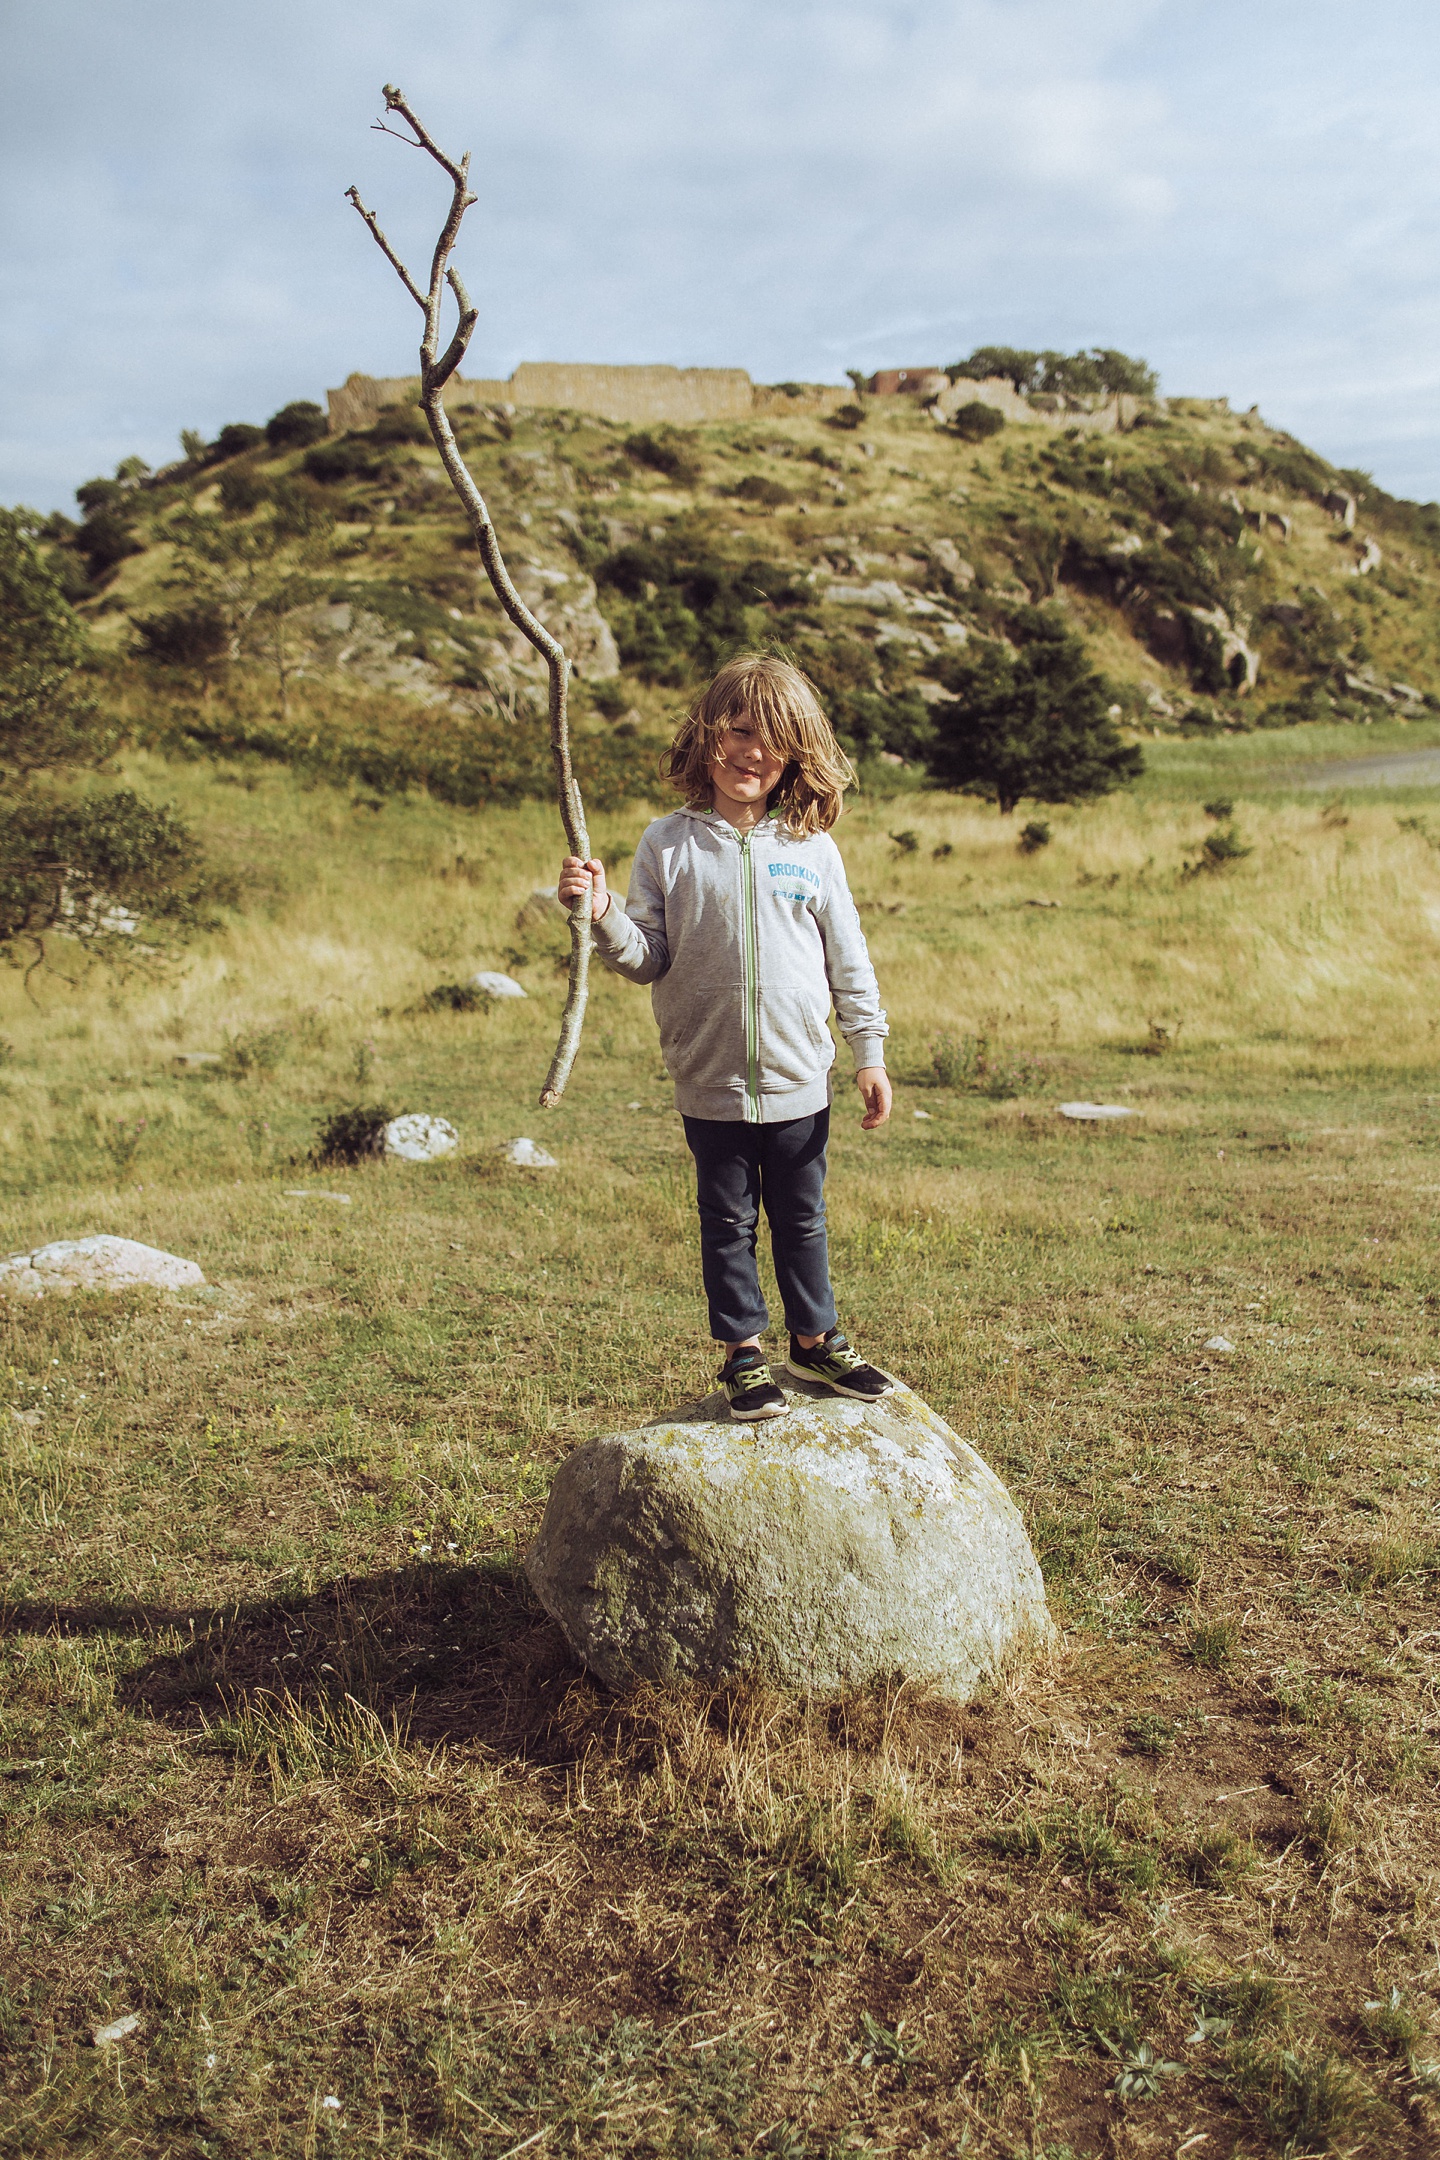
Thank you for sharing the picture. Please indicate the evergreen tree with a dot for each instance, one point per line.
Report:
(1031, 721)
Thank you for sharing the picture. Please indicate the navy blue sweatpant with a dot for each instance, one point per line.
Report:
(737, 1167)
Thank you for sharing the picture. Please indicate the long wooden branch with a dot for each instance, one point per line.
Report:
(435, 371)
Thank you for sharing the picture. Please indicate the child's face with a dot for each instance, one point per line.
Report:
(743, 770)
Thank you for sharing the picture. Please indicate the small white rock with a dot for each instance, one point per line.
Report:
(330, 2101)
(496, 986)
(927, 1116)
(103, 2035)
(528, 1155)
(1220, 1342)
(1093, 1110)
(418, 1138)
(96, 1263)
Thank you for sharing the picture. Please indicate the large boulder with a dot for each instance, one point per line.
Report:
(842, 1544)
(96, 1263)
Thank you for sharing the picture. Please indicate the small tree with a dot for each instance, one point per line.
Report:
(121, 878)
(1031, 722)
(46, 716)
(242, 577)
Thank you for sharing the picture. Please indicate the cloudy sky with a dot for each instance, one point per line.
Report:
(1248, 195)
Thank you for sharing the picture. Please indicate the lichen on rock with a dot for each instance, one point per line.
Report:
(843, 1544)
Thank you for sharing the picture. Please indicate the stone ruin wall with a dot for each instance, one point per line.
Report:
(631, 396)
(687, 397)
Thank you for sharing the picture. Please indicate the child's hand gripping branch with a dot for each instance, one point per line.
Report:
(574, 878)
(740, 917)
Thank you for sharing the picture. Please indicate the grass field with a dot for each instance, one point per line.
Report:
(295, 1772)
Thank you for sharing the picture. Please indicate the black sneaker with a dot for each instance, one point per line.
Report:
(750, 1387)
(833, 1364)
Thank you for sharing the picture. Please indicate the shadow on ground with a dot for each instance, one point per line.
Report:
(454, 1654)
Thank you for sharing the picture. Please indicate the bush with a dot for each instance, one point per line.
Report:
(44, 719)
(295, 425)
(967, 1061)
(1218, 850)
(241, 492)
(1033, 837)
(105, 539)
(346, 458)
(755, 488)
(351, 1136)
(236, 437)
(847, 418)
(186, 637)
(666, 452)
(976, 422)
(456, 997)
(401, 424)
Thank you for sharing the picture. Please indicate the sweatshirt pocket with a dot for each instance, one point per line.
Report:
(702, 1028)
(796, 1047)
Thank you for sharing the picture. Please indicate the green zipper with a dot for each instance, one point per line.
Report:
(750, 977)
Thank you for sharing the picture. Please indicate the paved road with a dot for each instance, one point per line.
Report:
(1390, 768)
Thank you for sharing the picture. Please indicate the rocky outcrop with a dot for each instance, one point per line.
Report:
(1239, 659)
(418, 1137)
(840, 1545)
(96, 1263)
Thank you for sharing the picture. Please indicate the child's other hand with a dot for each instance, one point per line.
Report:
(874, 1084)
(575, 876)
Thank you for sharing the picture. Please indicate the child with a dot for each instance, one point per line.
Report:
(738, 912)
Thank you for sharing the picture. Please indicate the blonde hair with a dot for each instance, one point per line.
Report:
(781, 704)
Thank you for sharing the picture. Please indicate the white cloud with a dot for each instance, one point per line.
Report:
(1247, 196)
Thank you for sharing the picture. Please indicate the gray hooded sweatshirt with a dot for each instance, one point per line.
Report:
(746, 938)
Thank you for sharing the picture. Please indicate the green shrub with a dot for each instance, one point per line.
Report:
(847, 418)
(106, 538)
(242, 491)
(185, 637)
(1217, 851)
(233, 440)
(755, 488)
(665, 451)
(45, 718)
(967, 1061)
(349, 457)
(401, 424)
(1033, 837)
(295, 425)
(254, 1050)
(976, 422)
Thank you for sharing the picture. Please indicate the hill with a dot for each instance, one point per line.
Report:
(304, 1797)
(320, 601)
